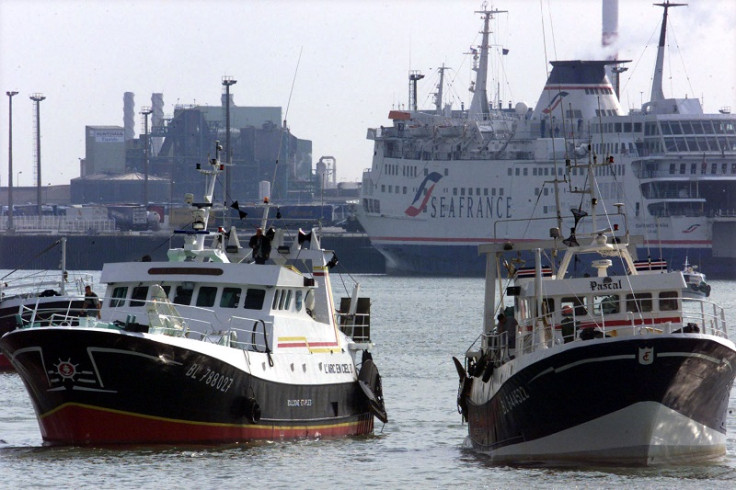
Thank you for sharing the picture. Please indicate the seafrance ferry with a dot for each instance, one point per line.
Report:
(441, 180)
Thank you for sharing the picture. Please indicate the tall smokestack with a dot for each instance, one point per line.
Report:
(157, 106)
(609, 40)
(610, 29)
(157, 120)
(129, 115)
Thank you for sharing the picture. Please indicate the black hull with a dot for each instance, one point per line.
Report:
(109, 387)
(609, 402)
(47, 307)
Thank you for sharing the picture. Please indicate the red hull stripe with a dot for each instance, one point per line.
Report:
(5, 364)
(73, 423)
(310, 344)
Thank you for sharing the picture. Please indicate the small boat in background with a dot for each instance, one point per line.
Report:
(219, 344)
(695, 283)
(695, 280)
(36, 296)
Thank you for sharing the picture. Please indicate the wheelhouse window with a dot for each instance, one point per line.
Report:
(638, 303)
(668, 301)
(138, 296)
(298, 302)
(606, 304)
(118, 296)
(206, 296)
(230, 297)
(254, 299)
(183, 295)
(573, 306)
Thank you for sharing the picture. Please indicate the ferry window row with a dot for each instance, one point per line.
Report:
(605, 112)
(539, 171)
(660, 189)
(206, 297)
(614, 148)
(391, 168)
(703, 168)
(616, 170)
(406, 170)
(544, 171)
(617, 127)
(664, 209)
(393, 189)
(727, 127)
(696, 144)
(470, 191)
(599, 91)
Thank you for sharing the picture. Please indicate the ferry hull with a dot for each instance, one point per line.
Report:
(99, 387)
(646, 401)
(464, 261)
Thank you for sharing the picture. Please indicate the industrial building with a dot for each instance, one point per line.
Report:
(160, 166)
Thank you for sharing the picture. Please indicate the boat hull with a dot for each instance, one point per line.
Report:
(44, 306)
(104, 387)
(646, 401)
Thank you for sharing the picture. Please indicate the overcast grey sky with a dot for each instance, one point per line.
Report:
(355, 58)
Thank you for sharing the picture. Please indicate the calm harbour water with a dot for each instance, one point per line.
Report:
(417, 325)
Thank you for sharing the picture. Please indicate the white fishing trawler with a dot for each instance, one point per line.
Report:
(218, 344)
(612, 369)
(444, 181)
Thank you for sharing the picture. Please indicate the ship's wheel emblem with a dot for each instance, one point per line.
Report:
(66, 369)
(646, 355)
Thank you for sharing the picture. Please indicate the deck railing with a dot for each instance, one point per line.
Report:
(697, 316)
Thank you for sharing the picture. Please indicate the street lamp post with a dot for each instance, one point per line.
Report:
(10, 95)
(146, 111)
(37, 98)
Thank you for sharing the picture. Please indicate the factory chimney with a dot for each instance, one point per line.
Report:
(157, 122)
(129, 115)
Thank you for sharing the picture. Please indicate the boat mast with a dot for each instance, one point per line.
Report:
(479, 104)
(202, 214)
(438, 96)
(64, 273)
(657, 93)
